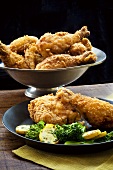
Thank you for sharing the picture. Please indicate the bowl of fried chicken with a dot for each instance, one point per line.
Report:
(44, 64)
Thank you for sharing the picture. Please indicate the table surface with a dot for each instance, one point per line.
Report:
(9, 142)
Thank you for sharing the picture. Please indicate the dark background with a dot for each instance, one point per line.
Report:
(36, 17)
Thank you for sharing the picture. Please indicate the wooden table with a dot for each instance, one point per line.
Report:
(8, 141)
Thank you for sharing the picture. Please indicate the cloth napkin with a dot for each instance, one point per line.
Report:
(91, 161)
(94, 161)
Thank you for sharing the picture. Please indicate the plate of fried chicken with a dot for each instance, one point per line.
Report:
(65, 107)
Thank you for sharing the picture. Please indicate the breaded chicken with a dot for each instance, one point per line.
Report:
(87, 43)
(51, 51)
(97, 112)
(65, 60)
(52, 109)
(28, 60)
(68, 107)
(60, 42)
(20, 44)
(80, 47)
(32, 57)
(11, 59)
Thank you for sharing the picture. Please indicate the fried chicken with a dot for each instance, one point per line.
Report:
(20, 44)
(32, 57)
(53, 109)
(80, 47)
(97, 112)
(68, 107)
(87, 43)
(60, 42)
(11, 59)
(28, 60)
(65, 60)
(51, 51)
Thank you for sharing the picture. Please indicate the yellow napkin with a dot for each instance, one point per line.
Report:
(93, 161)
(98, 161)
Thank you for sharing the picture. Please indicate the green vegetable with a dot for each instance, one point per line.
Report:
(106, 138)
(78, 143)
(70, 132)
(33, 132)
(109, 136)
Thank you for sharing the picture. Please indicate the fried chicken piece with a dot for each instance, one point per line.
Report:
(20, 44)
(77, 49)
(60, 42)
(32, 57)
(80, 47)
(65, 60)
(11, 59)
(97, 112)
(68, 107)
(52, 109)
(87, 43)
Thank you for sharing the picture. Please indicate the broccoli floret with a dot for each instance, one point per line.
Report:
(68, 132)
(33, 132)
(109, 136)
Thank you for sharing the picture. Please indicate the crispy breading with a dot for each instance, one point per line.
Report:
(52, 109)
(27, 60)
(80, 47)
(20, 44)
(66, 60)
(97, 112)
(68, 107)
(32, 57)
(60, 42)
(51, 51)
(11, 59)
